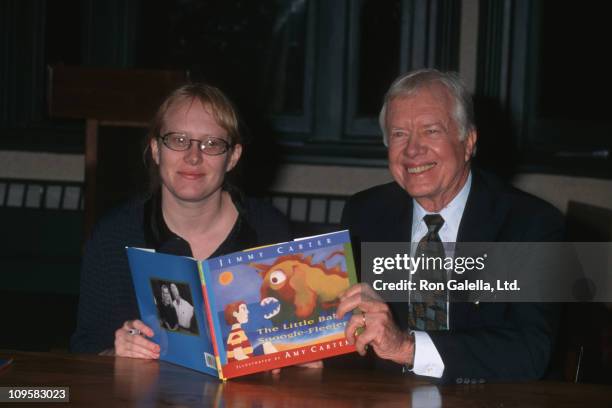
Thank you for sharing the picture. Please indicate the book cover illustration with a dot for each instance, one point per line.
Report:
(247, 311)
(170, 301)
(275, 306)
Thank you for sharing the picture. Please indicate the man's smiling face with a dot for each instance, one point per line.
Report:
(426, 156)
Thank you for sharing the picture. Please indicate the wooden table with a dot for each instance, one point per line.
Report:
(110, 381)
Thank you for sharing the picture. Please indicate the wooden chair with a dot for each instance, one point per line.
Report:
(106, 97)
(588, 326)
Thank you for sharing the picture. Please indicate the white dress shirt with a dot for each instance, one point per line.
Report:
(184, 312)
(427, 360)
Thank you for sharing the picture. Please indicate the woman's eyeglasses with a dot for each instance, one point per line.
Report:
(180, 142)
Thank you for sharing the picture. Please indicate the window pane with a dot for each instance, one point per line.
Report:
(254, 50)
(284, 70)
(379, 42)
(573, 66)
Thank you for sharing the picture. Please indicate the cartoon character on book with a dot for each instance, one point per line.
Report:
(297, 288)
(238, 344)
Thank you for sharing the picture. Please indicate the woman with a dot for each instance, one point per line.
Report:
(193, 142)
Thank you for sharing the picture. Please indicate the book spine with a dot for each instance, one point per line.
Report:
(350, 263)
(209, 317)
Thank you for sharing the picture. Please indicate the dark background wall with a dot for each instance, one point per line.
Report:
(310, 74)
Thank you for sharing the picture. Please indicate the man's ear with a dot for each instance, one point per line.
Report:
(154, 145)
(235, 154)
(470, 144)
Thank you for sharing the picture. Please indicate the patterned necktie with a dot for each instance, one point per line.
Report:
(429, 309)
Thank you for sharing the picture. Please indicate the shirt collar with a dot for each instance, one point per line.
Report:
(160, 238)
(452, 214)
(156, 232)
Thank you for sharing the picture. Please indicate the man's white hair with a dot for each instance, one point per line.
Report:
(412, 82)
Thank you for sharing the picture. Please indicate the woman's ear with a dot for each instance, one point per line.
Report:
(154, 145)
(235, 154)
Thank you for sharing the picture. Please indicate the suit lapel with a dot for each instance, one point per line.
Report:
(482, 215)
(482, 220)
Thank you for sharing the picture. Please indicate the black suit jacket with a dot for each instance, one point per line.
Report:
(489, 341)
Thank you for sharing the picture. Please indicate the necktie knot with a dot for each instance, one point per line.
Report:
(434, 222)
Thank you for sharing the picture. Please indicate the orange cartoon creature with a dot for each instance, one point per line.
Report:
(296, 288)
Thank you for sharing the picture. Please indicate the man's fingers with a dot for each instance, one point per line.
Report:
(363, 289)
(365, 338)
(368, 291)
(354, 323)
(372, 328)
(377, 326)
(371, 305)
(379, 329)
(347, 304)
(365, 303)
(353, 290)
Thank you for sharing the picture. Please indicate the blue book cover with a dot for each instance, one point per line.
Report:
(170, 300)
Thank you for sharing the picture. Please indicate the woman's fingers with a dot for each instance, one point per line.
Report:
(128, 343)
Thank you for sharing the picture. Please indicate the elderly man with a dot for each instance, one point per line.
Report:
(427, 123)
(184, 310)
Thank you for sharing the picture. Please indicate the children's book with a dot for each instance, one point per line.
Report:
(248, 311)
